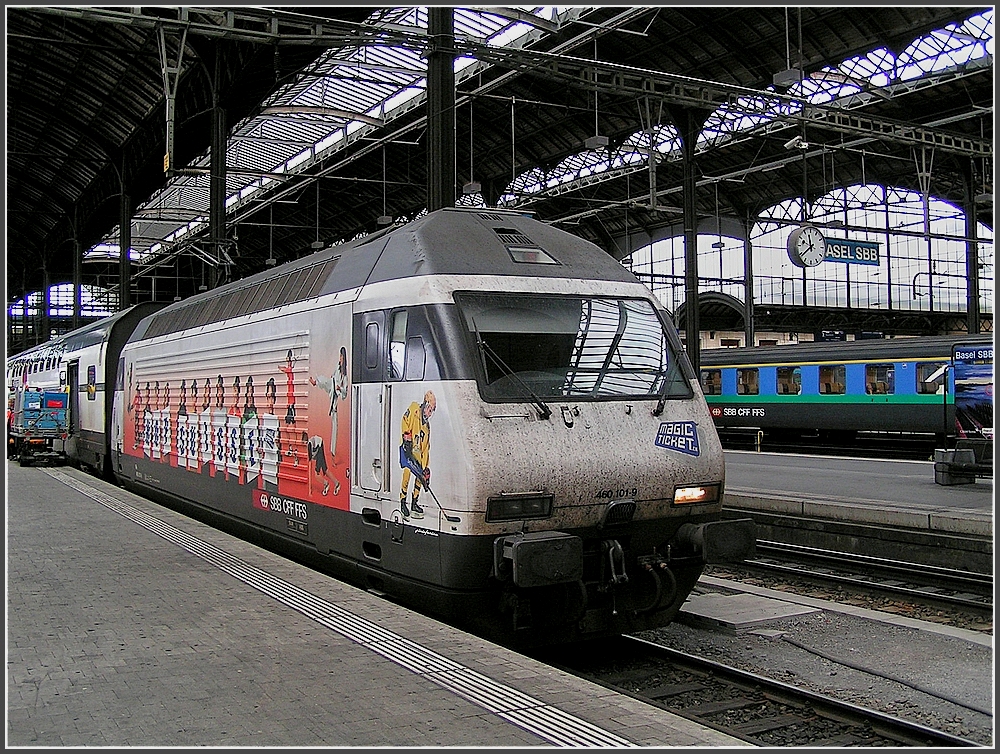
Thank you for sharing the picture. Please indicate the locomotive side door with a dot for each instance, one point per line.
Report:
(369, 413)
(117, 395)
(73, 382)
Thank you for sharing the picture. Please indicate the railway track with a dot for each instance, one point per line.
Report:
(942, 588)
(747, 706)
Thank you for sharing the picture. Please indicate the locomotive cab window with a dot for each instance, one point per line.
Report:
(880, 379)
(711, 381)
(371, 345)
(397, 345)
(531, 346)
(789, 380)
(748, 381)
(930, 378)
(833, 380)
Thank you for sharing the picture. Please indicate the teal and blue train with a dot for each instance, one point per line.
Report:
(904, 385)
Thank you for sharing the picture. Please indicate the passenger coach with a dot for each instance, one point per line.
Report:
(902, 385)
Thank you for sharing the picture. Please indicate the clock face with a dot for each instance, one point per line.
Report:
(806, 246)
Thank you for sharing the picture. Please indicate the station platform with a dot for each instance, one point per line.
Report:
(880, 492)
(131, 625)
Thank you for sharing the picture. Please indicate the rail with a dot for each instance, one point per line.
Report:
(751, 707)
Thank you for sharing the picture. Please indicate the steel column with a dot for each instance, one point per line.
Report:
(217, 195)
(77, 280)
(124, 245)
(971, 249)
(441, 108)
(689, 123)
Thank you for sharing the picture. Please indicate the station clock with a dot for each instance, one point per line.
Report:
(806, 246)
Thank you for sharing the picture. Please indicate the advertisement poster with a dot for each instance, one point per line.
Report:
(270, 418)
(973, 366)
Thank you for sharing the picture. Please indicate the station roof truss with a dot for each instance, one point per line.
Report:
(567, 112)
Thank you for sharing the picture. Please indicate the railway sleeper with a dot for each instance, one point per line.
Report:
(770, 723)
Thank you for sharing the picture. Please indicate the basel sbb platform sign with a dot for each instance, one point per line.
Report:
(852, 252)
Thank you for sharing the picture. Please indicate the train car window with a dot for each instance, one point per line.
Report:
(833, 379)
(930, 377)
(880, 379)
(91, 383)
(372, 345)
(789, 380)
(397, 346)
(748, 381)
(711, 381)
(530, 346)
(416, 358)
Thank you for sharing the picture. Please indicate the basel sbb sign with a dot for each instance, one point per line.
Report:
(852, 252)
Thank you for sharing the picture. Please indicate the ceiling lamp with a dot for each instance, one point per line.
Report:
(786, 79)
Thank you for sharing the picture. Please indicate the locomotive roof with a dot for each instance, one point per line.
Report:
(938, 346)
(450, 241)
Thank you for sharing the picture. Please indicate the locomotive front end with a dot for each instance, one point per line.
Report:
(599, 467)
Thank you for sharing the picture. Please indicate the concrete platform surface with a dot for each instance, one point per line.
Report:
(131, 625)
(873, 491)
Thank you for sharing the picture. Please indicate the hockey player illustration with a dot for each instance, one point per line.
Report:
(414, 453)
(337, 388)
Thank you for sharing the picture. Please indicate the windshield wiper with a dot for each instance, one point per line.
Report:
(544, 412)
(662, 401)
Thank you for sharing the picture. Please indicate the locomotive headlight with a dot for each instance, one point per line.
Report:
(705, 493)
(517, 506)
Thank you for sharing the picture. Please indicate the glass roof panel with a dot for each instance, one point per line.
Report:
(326, 104)
(378, 81)
(933, 53)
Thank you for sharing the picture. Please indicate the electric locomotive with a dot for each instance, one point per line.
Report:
(476, 414)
